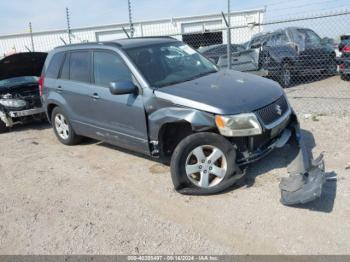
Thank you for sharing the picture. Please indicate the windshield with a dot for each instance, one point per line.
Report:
(18, 81)
(170, 63)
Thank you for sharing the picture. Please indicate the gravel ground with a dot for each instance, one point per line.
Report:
(330, 96)
(98, 199)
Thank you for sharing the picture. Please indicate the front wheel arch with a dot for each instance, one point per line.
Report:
(170, 135)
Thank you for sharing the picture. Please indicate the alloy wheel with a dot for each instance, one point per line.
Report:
(206, 166)
(62, 126)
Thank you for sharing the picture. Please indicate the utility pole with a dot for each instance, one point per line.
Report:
(228, 34)
(68, 25)
(31, 35)
(130, 20)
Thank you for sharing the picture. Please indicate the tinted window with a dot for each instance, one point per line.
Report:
(55, 65)
(80, 66)
(277, 40)
(65, 68)
(259, 40)
(108, 68)
(281, 39)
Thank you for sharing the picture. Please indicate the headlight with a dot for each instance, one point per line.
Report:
(14, 103)
(238, 125)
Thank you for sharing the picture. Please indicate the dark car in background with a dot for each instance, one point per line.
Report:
(344, 65)
(159, 97)
(19, 89)
(285, 55)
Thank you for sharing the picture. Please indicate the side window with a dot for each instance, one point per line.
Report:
(79, 69)
(281, 39)
(65, 68)
(270, 40)
(109, 67)
(55, 65)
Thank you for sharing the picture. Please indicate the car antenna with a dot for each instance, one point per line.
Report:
(125, 32)
(28, 49)
(64, 42)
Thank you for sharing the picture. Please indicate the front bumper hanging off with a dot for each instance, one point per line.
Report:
(306, 175)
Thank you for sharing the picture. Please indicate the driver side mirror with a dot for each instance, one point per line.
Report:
(122, 88)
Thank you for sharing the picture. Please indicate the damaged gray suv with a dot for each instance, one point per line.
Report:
(159, 97)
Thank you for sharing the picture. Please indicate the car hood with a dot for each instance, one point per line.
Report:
(225, 92)
(22, 64)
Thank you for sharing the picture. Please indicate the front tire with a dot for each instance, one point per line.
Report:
(204, 163)
(286, 75)
(63, 129)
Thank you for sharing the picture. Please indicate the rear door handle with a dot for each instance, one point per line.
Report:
(95, 96)
(59, 89)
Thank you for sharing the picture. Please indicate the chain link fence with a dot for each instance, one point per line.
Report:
(304, 55)
(307, 55)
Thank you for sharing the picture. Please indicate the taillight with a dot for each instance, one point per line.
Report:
(346, 49)
(41, 85)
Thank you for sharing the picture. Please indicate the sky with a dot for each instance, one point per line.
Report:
(50, 14)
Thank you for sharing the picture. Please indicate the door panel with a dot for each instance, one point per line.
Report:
(74, 86)
(120, 119)
(247, 60)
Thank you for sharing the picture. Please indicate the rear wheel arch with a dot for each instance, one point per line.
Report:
(50, 109)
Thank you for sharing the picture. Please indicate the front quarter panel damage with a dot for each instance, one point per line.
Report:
(161, 112)
(198, 120)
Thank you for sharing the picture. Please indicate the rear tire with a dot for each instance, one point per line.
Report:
(3, 127)
(204, 163)
(345, 77)
(63, 129)
(332, 67)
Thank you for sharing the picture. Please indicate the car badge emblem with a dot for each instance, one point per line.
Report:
(278, 109)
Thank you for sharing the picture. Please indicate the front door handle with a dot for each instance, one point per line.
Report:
(95, 96)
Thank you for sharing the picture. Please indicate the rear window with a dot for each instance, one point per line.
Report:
(80, 66)
(55, 65)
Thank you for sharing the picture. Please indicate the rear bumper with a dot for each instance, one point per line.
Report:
(344, 66)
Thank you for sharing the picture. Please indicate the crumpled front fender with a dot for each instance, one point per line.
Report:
(306, 175)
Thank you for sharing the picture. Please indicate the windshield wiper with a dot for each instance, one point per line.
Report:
(201, 74)
(188, 79)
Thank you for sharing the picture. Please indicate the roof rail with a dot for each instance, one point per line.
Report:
(141, 37)
(80, 44)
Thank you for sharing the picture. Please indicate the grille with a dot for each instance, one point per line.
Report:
(274, 111)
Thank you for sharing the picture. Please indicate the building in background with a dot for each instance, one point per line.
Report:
(197, 31)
